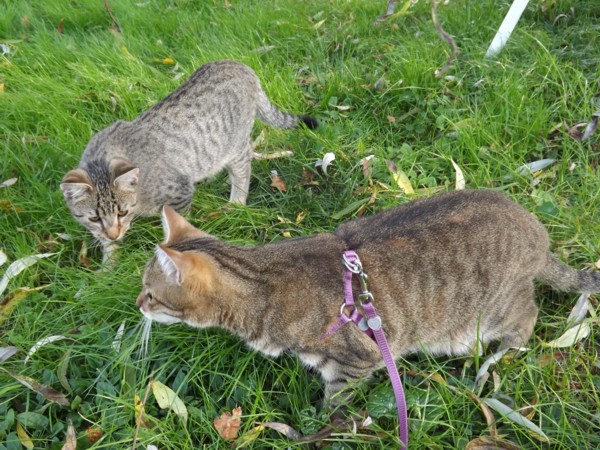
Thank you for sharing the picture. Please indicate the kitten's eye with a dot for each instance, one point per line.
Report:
(122, 213)
(94, 219)
(149, 296)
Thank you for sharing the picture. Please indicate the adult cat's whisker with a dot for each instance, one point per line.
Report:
(144, 337)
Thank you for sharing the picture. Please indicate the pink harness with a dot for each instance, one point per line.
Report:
(371, 326)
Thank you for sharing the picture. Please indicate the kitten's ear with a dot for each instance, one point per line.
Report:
(176, 228)
(76, 185)
(125, 175)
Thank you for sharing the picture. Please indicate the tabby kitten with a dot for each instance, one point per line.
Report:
(445, 273)
(134, 168)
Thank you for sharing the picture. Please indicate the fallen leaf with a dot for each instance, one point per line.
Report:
(116, 343)
(7, 205)
(47, 392)
(24, 438)
(167, 398)
(166, 61)
(318, 25)
(391, 119)
(460, 178)
(141, 417)
(71, 440)
(284, 429)
(581, 308)
(265, 49)
(8, 182)
(61, 371)
(491, 443)
(571, 336)
(493, 360)
(93, 434)
(277, 181)
(367, 166)
(43, 342)
(10, 301)
(249, 436)
(535, 166)
(7, 352)
(597, 264)
(400, 178)
(59, 28)
(18, 266)
(83, 257)
(328, 158)
(517, 418)
(308, 178)
(229, 423)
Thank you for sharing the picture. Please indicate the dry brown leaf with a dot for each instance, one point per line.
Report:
(277, 182)
(391, 119)
(93, 434)
(229, 423)
(308, 178)
(47, 392)
(71, 441)
(491, 443)
(83, 257)
(367, 166)
(59, 28)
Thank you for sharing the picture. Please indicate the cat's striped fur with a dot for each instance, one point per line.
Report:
(134, 168)
(446, 273)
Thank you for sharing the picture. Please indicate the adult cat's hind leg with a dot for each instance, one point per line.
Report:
(519, 322)
(239, 175)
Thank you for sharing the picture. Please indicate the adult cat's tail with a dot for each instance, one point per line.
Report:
(269, 113)
(565, 278)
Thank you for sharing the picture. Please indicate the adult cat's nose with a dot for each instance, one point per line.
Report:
(140, 300)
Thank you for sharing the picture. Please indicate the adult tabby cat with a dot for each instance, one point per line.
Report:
(444, 272)
(134, 168)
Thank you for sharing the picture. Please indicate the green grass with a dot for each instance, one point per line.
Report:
(490, 117)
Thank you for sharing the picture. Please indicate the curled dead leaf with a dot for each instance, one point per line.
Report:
(229, 423)
(71, 440)
(277, 182)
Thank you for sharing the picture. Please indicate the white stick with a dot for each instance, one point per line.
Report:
(507, 27)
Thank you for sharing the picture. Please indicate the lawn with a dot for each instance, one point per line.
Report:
(397, 132)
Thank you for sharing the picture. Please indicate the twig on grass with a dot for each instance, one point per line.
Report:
(117, 27)
(445, 36)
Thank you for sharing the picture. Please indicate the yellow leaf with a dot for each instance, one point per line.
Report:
(403, 182)
(1, 87)
(250, 436)
(140, 416)
(167, 398)
(166, 61)
(318, 25)
(8, 303)
(24, 437)
(126, 52)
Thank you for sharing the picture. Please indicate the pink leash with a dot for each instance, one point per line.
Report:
(373, 328)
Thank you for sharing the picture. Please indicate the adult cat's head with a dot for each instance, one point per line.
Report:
(102, 196)
(179, 282)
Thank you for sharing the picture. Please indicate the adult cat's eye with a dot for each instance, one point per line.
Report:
(94, 219)
(122, 213)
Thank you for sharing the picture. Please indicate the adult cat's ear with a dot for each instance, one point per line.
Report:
(76, 185)
(177, 229)
(124, 174)
(177, 266)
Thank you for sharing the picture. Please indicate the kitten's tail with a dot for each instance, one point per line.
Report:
(269, 113)
(565, 278)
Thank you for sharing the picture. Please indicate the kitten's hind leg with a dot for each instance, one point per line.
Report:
(239, 176)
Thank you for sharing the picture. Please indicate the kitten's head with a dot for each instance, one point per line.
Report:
(102, 197)
(177, 283)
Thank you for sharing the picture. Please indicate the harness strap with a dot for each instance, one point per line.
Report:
(372, 327)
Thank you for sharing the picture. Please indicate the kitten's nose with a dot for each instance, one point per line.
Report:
(113, 232)
(140, 300)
